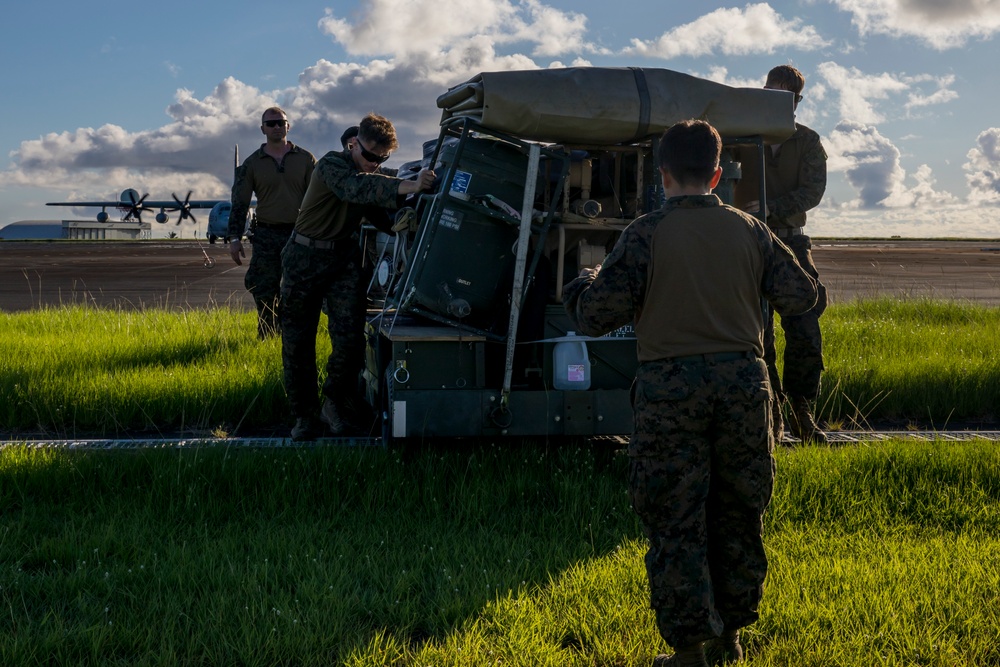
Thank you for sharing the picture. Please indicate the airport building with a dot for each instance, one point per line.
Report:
(75, 230)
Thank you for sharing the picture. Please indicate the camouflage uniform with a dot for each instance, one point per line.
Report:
(692, 277)
(700, 478)
(263, 276)
(321, 263)
(803, 356)
(314, 278)
(280, 188)
(795, 182)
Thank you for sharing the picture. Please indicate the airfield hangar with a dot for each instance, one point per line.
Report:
(75, 230)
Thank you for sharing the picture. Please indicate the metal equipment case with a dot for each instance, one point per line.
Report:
(462, 344)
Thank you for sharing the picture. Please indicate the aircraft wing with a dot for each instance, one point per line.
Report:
(197, 203)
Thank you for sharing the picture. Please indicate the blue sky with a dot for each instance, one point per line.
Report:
(155, 95)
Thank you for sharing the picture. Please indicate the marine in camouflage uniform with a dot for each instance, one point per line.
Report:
(278, 172)
(795, 180)
(692, 278)
(322, 264)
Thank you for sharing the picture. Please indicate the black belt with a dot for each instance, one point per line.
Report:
(787, 232)
(712, 358)
(312, 243)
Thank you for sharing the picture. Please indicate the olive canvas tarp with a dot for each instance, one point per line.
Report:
(610, 105)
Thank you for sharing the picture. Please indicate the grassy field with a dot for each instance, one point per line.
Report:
(79, 371)
(464, 554)
(881, 555)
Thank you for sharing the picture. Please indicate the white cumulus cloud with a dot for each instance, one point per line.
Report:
(871, 163)
(408, 53)
(733, 32)
(862, 97)
(983, 168)
(941, 24)
(410, 29)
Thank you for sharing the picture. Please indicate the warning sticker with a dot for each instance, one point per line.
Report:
(450, 219)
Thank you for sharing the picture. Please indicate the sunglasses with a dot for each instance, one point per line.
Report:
(798, 98)
(374, 158)
(276, 123)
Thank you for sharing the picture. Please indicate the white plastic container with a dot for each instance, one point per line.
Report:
(571, 364)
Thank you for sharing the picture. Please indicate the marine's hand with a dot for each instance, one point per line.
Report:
(590, 273)
(752, 206)
(236, 251)
(423, 181)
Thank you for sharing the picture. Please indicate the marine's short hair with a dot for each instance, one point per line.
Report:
(272, 110)
(786, 77)
(689, 151)
(378, 132)
(349, 134)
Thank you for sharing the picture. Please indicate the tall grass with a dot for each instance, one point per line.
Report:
(80, 371)
(931, 362)
(473, 555)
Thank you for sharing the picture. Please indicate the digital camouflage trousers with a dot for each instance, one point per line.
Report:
(263, 277)
(803, 356)
(700, 478)
(311, 278)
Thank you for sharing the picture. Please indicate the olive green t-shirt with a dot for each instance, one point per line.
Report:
(335, 188)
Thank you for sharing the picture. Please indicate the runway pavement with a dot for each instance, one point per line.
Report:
(173, 274)
(120, 274)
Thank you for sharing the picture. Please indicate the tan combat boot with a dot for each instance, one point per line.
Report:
(803, 425)
(330, 416)
(692, 655)
(724, 650)
(306, 428)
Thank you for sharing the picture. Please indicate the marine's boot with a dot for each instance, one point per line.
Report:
(802, 423)
(692, 655)
(724, 650)
(330, 416)
(306, 428)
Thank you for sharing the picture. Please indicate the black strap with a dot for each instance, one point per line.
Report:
(644, 106)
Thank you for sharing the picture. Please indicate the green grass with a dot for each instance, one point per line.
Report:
(466, 554)
(929, 362)
(80, 371)
(880, 555)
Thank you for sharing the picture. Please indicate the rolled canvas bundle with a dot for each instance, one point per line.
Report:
(613, 105)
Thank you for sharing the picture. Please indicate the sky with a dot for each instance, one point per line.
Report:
(105, 95)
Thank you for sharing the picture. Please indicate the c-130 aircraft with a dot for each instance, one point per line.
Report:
(132, 206)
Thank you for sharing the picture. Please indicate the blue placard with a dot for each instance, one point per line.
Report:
(461, 181)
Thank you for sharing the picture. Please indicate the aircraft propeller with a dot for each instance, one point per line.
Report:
(184, 208)
(137, 207)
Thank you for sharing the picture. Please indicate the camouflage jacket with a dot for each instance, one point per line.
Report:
(691, 277)
(330, 209)
(279, 187)
(795, 177)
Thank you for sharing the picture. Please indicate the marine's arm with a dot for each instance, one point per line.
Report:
(785, 284)
(242, 193)
(599, 301)
(359, 187)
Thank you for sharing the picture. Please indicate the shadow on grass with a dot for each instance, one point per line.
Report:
(278, 556)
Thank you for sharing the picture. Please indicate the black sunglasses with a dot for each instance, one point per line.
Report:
(374, 158)
(273, 123)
